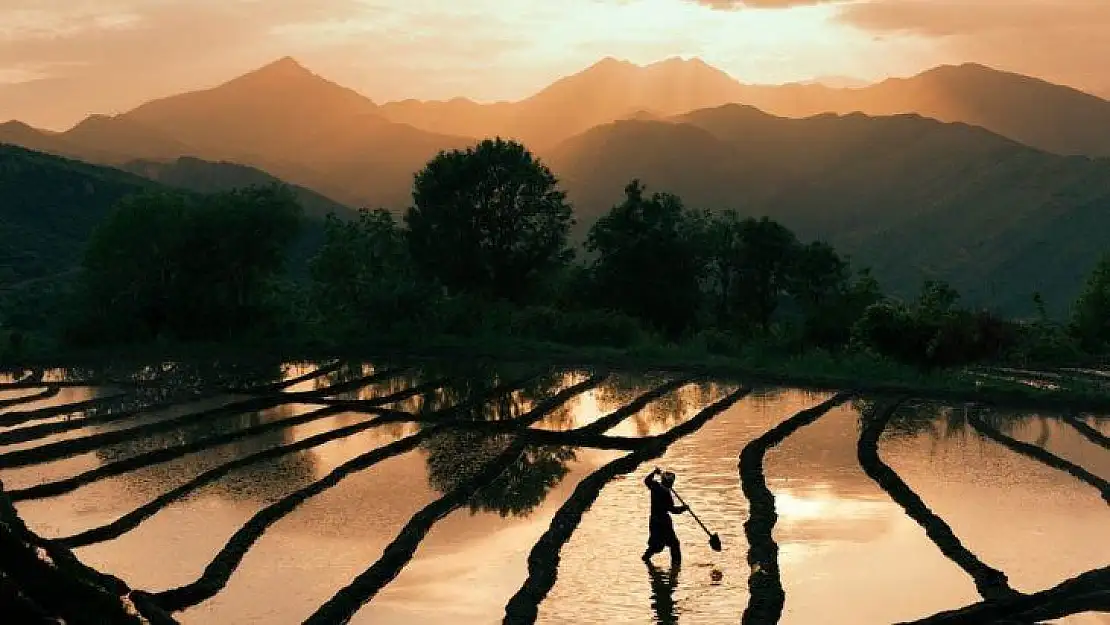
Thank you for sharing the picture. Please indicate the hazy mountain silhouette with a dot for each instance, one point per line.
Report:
(302, 128)
(97, 139)
(121, 138)
(277, 109)
(281, 118)
(909, 196)
(1040, 114)
(1034, 112)
(20, 134)
(211, 177)
(608, 90)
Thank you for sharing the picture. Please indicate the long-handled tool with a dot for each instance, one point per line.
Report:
(714, 539)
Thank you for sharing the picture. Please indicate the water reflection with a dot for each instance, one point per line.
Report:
(663, 584)
(455, 457)
(843, 542)
(167, 379)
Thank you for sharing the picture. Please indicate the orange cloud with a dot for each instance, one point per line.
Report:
(1059, 40)
(732, 5)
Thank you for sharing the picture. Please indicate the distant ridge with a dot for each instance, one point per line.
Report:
(911, 197)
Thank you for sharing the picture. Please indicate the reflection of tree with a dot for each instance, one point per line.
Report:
(454, 457)
(622, 388)
(946, 422)
(543, 387)
(466, 381)
(915, 418)
(163, 381)
(273, 477)
(149, 387)
(346, 372)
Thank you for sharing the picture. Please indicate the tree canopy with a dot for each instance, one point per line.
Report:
(648, 259)
(490, 219)
(1090, 322)
(184, 266)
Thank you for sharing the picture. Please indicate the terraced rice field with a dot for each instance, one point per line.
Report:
(387, 494)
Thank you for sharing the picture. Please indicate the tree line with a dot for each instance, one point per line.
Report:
(485, 252)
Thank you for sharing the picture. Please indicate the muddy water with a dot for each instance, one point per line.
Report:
(848, 551)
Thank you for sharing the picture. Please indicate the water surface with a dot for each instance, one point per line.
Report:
(848, 552)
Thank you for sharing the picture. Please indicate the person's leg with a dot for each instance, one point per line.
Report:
(654, 545)
(676, 550)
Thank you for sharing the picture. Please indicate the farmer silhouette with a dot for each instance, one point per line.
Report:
(660, 529)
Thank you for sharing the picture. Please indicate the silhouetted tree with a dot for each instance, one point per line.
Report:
(649, 260)
(490, 219)
(934, 332)
(936, 298)
(830, 300)
(750, 261)
(363, 276)
(185, 266)
(1090, 319)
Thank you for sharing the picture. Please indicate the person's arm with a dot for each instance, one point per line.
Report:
(650, 477)
(677, 509)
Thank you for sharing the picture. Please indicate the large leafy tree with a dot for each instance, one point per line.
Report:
(490, 219)
(649, 259)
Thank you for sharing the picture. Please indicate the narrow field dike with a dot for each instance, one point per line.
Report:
(991, 583)
(764, 584)
(1043, 456)
(1088, 432)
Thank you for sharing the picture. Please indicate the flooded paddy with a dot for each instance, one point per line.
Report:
(381, 493)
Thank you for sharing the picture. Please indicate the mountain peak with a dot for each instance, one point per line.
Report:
(15, 124)
(94, 120)
(285, 64)
(610, 63)
(285, 68)
(678, 61)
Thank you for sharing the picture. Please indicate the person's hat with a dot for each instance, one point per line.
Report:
(668, 476)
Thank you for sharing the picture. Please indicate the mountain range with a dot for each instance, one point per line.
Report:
(990, 180)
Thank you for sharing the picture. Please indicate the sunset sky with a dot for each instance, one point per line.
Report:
(63, 59)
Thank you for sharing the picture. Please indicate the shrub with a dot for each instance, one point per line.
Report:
(599, 328)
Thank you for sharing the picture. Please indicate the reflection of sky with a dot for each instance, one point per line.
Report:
(1065, 441)
(66, 395)
(17, 393)
(470, 565)
(295, 370)
(657, 417)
